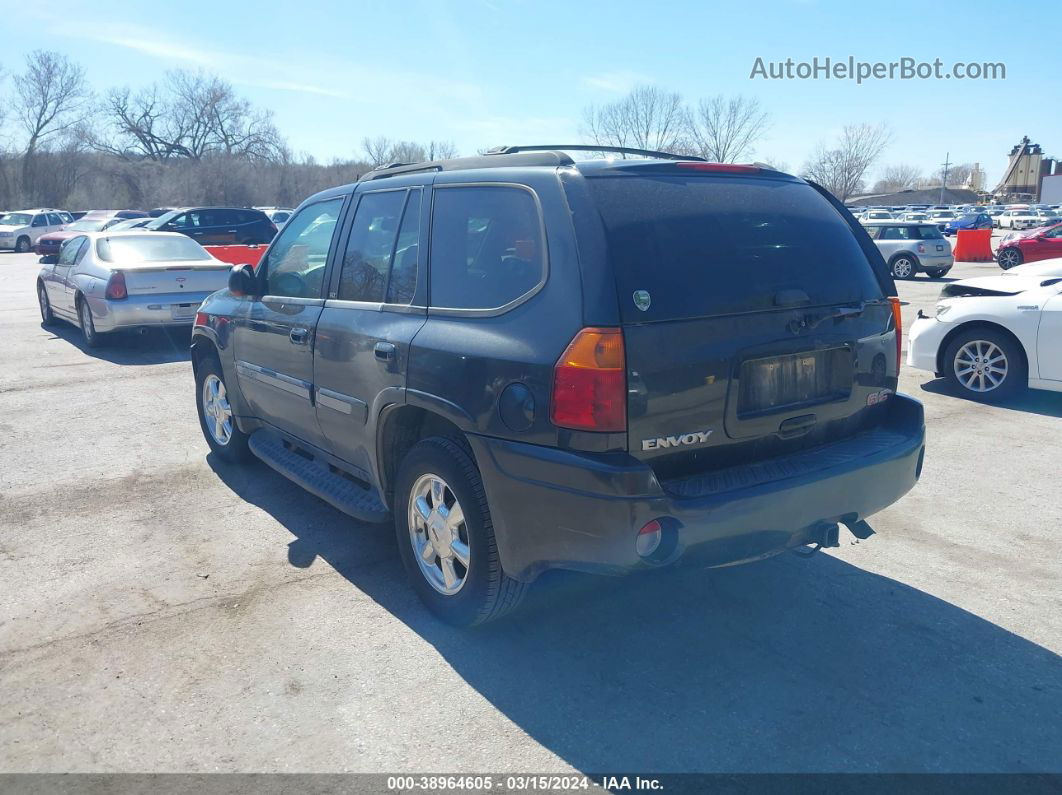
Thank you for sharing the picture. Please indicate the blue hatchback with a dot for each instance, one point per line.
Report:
(970, 221)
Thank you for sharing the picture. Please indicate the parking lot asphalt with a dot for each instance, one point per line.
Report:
(163, 611)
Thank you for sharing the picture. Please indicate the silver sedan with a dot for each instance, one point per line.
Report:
(108, 281)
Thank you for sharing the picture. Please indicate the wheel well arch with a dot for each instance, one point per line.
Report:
(904, 253)
(973, 324)
(202, 347)
(398, 429)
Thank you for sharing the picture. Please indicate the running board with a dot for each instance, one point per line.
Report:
(318, 478)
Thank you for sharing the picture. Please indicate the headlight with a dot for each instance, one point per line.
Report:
(7, 234)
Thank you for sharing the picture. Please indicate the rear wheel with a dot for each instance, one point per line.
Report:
(47, 317)
(88, 326)
(937, 273)
(1009, 258)
(22, 245)
(985, 364)
(216, 417)
(902, 267)
(446, 536)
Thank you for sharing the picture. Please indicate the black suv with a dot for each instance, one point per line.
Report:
(218, 226)
(534, 362)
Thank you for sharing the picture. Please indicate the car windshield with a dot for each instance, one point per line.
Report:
(162, 220)
(87, 225)
(17, 219)
(149, 248)
(969, 219)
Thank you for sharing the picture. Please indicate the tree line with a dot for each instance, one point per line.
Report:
(191, 139)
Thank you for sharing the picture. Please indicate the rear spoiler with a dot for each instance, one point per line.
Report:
(877, 262)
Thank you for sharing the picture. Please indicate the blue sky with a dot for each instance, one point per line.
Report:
(485, 72)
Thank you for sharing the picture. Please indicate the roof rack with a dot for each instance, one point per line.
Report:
(535, 158)
(625, 150)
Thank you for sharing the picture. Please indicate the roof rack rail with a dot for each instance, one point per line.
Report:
(531, 158)
(625, 150)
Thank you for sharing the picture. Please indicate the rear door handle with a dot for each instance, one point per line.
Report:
(298, 336)
(384, 351)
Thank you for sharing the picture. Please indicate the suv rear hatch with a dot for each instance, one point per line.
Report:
(753, 320)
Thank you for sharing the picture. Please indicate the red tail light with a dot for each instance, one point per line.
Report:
(202, 319)
(116, 287)
(590, 383)
(897, 322)
(726, 168)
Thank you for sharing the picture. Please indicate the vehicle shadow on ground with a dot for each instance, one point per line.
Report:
(783, 665)
(1032, 401)
(154, 346)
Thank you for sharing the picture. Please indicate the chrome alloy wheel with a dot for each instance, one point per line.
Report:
(216, 410)
(439, 535)
(902, 268)
(980, 366)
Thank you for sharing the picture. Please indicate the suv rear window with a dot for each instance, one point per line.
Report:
(721, 245)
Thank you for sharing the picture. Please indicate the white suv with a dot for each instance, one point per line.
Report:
(19, 230)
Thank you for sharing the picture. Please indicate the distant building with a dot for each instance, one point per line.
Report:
(915, 196)
(1023, 177)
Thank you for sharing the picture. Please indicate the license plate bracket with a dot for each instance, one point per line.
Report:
(777, 383)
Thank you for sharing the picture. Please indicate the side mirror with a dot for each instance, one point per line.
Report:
(242, 281)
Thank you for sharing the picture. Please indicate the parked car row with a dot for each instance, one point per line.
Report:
(44, 229)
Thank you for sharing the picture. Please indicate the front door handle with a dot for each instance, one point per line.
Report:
(384, 351)
(299, 336)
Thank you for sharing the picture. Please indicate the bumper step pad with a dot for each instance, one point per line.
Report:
(316, 477)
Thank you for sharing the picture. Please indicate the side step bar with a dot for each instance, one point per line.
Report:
(318, 479)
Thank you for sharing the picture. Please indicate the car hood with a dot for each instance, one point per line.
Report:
(63, 235)
(1044, 269)
(1003, 284)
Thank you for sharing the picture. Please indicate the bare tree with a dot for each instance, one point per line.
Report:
(51, 99)
(377, 150)
(898, 177)
(647, 118)
(841, 168)
(383, 150)
(725, 130)
(192, 115)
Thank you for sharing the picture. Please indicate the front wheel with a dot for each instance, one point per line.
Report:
(1009, 258)
(902, 267)
(446, 536)
(22, 245)
(47, 316)
(216, 418)
(985, 364)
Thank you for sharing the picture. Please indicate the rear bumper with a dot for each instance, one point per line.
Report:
(935, 262)
(145, 310)
(557, 509)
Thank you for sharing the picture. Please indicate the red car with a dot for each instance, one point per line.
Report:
(92, 221)
(1036, 244)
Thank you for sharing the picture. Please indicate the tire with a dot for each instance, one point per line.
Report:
(965, 359)
(478, 590)
(937, 273)
(216, 420)
(903, 266)
(93, 339)
(22, 245)
(1009, 258)
(47, 316)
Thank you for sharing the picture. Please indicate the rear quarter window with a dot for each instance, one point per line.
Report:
(725, 245)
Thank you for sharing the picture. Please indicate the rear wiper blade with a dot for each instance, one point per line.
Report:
(835, 314)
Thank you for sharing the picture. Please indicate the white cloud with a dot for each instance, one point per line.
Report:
(619, 82)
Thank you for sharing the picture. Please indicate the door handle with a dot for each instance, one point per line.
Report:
(384, 351)
(298, 336)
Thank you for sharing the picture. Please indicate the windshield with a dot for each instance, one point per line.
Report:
(162, 220)
(969, 219)
(149, 248)
(703, 246)
(88, 225)
(17, 219)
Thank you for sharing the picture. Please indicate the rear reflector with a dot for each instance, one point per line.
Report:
(725, 168)
(897, 322)
(590, 383)
(649, 538)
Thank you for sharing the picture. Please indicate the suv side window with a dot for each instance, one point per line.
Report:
(367, 259)
(39, 220)
(487, 246)
(294, 265)
(54, 219)
(406, 261)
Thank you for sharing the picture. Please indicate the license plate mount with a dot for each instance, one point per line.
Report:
(776, 383)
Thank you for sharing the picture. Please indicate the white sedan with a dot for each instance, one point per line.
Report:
(996, 335)
(108, 281)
